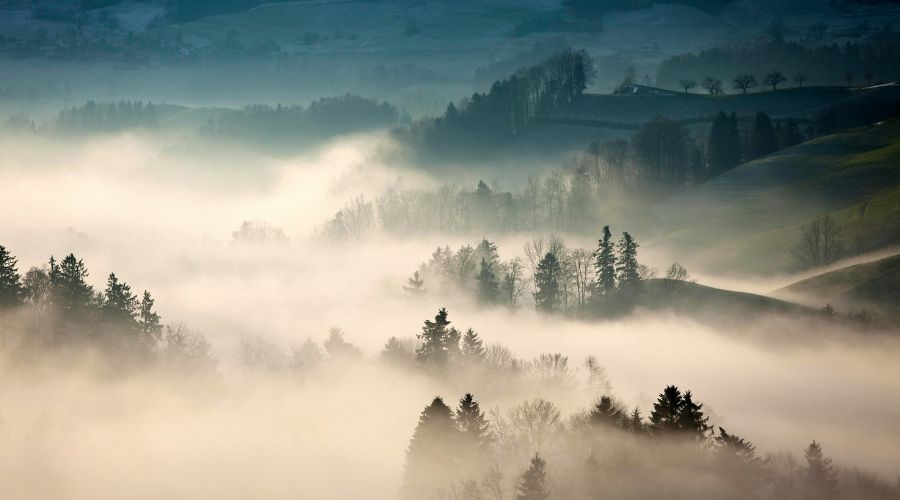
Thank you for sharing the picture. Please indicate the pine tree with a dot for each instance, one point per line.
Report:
(666, 410)
(819, 475)
(431, 458)
(432, 348)
(148, 319)
(120, 306)
(70, 292)
(736, 460)
(763, 140)
(471, 423)
(533, 486)
(472, 348)
(628, 270)
(606, 413)
(487, 283)
(11, 291)
(605, 264)
(724, 145)
(415, 286)
(635, 422)
(546, 281)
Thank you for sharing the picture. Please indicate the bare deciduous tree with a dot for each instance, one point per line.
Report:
(820, 242)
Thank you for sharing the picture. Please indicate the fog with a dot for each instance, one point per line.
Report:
(162, 220)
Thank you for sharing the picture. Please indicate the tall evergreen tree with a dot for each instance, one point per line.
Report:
(11, 291)
(635, 422)
(471, 423)
(763, 140)
(148, 319)
(606, 413)
(487, 283)
(533, 485)
(120, 306)
(628, 272)
(723, 149)
(691, 420)
(70, 292)
(546, 281)
(820, 478)
(666, 410)
(415, 285)
(735, 459)
(605, 263)
(472, 348)
(433, 342)
(431, 457)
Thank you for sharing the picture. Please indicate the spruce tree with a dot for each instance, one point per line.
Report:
(432, 348)
(11, 291)
(666, 410)
(691, 420)
(431, 458)
(472, 348)
(415, 285)
(628, 272)
(820, 478)
(635, 422)
(763, 140)
(70, 293)
(546, 282)
(472, 425)
(148, 319)
(723, 148)
(605, 264)
(487, 283)
(533, 485)
(606, 413)
(120, 306)
(735, 459)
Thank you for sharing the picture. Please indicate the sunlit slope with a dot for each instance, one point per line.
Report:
(874, 285)
(748, 220)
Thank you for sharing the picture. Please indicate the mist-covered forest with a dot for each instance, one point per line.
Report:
(405, 250)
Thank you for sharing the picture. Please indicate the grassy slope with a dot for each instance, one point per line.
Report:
(872, 284)
(748, 219)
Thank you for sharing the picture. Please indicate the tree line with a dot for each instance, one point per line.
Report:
(480, 123)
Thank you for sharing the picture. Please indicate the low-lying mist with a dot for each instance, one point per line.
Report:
(163, 221)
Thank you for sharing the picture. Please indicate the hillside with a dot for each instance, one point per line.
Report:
(874, 286)
(748, 220)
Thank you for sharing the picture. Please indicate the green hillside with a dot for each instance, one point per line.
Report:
(871, 285)
(748, 220)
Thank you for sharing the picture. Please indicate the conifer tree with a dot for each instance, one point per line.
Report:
(119, 306)
(546, 281)
(472, 348)
(820, 478)
(606, 413)
(666, 410)
(635, 422)
(471, 424)
(70, 293)
(533, 485)
(724, 145)
(432, 348)
(628, 270)
(736, 460)
(431, 457)
(605, 263)
(11, 291)
(487, 283)
(148, 319)
(691, 420)
(415, 285)
(763, 140)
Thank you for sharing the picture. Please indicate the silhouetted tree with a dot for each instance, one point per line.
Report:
(724, 144)
(606, 413)
(415, 285)
(790, 134)
(735, 459)
(337, 347)
(11, 291)
(712, 85)
(628, 272)
(687, 85)
(744, 82)
(472, 349)
(661, 150)
(605, 263)
(635, 422)
(532, 485)
(433, 344)
(487, 283)
(120, 306)
(472, 425)
(763, 140)
(773, 79)
(820, 478)
(666, 411)
(801, 78)
(820, 242)
(691, 420)
(70, 292)
(431, 457)
(546, 282)
(148, 320)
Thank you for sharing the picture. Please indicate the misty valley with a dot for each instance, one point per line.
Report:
(428, 250)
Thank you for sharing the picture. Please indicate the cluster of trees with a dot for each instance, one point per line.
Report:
(53, 306)
(95, 117)
(560, 278)
(867, 62)
(292, 124)
(728, 146)
(478, 124)
(532, 453)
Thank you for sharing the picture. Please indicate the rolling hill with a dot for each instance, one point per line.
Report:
(748, 219)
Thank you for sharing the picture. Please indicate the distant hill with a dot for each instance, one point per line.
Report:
(874, 286)
(747, 220)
